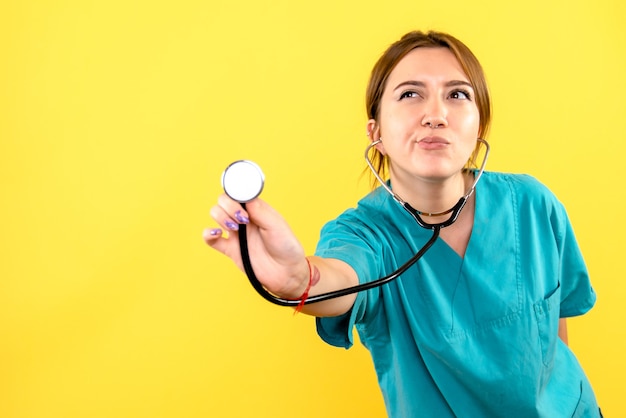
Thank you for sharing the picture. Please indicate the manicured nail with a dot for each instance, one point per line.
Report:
(232, 225)
(215, 232)
(241, 217)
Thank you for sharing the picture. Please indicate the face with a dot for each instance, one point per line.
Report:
(428, 119)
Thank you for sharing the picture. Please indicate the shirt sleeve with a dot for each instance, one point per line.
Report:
(349, 242)
(577, 294)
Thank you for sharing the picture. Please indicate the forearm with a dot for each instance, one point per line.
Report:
(333, 275)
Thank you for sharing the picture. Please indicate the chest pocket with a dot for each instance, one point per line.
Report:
(475, 305)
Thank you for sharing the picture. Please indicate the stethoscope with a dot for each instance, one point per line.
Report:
(243, 181)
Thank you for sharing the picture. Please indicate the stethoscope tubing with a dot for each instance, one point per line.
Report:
(417, 216)
(247, 264)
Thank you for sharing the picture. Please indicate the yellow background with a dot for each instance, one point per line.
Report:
(117, 119)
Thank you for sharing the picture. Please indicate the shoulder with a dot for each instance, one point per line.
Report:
(376, 222)
(526, 189)
(520, 182)
(369, 211)
(531, 201)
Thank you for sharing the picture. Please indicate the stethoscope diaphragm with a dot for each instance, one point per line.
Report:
(243, 180)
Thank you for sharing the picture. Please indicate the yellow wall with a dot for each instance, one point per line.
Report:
(117, 118)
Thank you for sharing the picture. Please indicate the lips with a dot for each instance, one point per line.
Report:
(433, 143)
(433, 140)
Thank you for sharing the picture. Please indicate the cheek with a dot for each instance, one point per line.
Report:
(395, 125)
(470, 124)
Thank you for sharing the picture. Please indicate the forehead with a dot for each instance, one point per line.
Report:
(428, 64)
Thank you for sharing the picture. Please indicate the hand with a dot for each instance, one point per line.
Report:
(277, 257)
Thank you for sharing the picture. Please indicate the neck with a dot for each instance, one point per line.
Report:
(432, 195)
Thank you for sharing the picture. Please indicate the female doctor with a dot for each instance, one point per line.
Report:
(472, 329)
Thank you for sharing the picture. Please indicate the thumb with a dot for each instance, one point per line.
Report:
(263, 215)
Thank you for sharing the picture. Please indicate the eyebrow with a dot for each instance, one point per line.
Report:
(451, 83)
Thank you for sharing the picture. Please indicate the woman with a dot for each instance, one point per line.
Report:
(472, 329)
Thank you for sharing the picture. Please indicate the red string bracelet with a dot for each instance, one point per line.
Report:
(314, 277)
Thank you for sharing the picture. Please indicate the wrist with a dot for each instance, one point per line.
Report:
(297, 284)
(311, 279)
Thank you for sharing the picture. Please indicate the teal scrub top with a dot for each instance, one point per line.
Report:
(472, 336)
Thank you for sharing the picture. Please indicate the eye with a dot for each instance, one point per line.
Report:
(461, 95)
(408, 94)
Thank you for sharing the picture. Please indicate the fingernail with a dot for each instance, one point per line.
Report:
(241, 217)
(215, 232)
(232, 225)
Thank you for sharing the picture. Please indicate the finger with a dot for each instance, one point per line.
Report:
(233, 208)
(224, 219)
(214, 237)
(227, 245)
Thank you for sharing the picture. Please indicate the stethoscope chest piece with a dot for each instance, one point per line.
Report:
(243, 180)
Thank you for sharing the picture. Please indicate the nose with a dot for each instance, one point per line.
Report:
(435, 114)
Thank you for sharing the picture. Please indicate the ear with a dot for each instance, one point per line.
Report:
(373, 132)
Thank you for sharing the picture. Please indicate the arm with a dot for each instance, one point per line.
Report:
(279, 259)
(334, 275)
(563, 330)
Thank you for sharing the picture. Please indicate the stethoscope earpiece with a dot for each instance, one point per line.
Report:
(243, 181)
